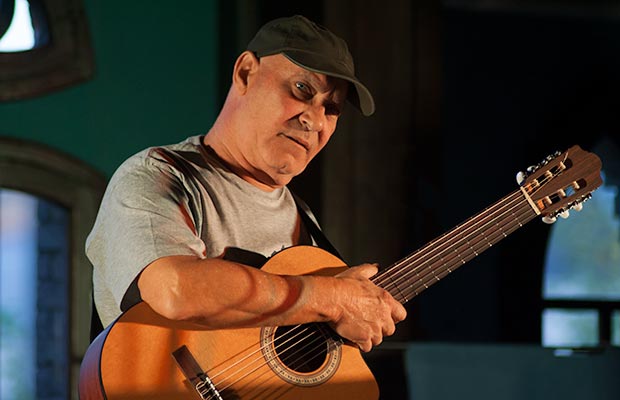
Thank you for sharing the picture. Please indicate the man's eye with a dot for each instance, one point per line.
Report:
(301, 86)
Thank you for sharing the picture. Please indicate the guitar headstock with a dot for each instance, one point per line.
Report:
(562, 181)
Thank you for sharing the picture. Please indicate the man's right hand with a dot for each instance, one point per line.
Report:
(365, 313)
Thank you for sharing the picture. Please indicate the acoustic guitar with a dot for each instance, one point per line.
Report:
(145, 356)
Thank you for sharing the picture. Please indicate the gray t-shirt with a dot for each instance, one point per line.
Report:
(179, 200)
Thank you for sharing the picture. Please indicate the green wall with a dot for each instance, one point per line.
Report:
(155, 82)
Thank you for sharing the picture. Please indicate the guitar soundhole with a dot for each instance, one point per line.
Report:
(302, 352)
(304, 355)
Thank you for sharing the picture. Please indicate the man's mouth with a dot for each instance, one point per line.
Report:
(299, 141)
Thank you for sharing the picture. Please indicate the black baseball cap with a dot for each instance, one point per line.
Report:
(314, 48)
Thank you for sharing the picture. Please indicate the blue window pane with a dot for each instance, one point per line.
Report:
(570, 328)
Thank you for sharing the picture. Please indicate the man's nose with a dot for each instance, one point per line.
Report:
(313, 118)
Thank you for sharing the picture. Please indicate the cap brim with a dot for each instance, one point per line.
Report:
(360, 98)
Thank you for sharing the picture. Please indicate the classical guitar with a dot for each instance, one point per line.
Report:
(145, 356)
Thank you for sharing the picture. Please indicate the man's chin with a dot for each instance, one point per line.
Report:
(283, 178)
(292, 165)
(285, 174)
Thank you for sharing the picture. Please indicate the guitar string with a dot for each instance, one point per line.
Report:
(314, 351)
(391, 268)
(258, 350)
(260, 357)
(316, 354)
(240, 389)
(386, 274)
(303, 358)
(307, 360)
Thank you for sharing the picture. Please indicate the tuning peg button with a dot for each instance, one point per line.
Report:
(548, 220)
(520, 177)
(564, 214)
(578, 207)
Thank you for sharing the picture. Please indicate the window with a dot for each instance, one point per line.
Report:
(48, 203)
(565, 327)
(581, 287)
(34, 281)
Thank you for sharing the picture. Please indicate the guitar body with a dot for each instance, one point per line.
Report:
(134, 357)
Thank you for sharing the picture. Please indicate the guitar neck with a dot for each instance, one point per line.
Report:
(413, 274)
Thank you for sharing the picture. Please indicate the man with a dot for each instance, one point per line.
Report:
(173, 216)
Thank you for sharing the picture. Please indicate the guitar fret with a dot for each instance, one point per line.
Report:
(399, 294)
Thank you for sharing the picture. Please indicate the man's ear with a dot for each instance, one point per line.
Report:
(246, 65)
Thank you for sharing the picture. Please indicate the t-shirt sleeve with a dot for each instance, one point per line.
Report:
(147, 213)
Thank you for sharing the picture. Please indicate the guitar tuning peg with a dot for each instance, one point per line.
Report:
(520, 177)
(564, 214)
(548, 219)
(578, 207)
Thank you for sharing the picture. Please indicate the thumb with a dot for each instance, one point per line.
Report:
(367, 270)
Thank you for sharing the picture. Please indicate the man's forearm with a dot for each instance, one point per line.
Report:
(223, 294)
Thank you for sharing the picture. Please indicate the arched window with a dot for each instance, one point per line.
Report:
(581, 286)
(48, 203)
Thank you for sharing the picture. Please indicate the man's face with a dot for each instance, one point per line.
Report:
(289, 114)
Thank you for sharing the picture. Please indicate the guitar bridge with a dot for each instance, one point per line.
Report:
(195, 375)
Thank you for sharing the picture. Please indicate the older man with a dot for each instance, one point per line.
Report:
(174, 216)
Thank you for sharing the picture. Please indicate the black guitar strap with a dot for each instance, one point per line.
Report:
(96, 326)
(313, 229)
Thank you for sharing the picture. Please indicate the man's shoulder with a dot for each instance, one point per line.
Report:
(163, 154)
(165, 158)
(190, 145)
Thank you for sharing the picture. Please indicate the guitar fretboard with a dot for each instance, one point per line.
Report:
(415, 273)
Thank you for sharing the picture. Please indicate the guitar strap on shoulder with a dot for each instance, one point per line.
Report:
(96, 326)
(313, 229)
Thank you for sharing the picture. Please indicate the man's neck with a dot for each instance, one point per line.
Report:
(237, 164)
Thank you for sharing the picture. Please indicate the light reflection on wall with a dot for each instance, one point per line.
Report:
(18, 279)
